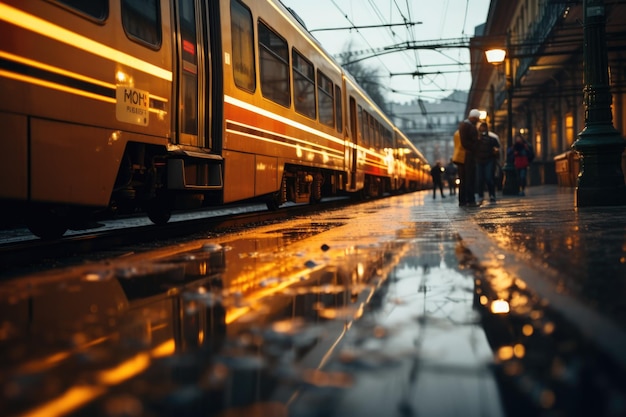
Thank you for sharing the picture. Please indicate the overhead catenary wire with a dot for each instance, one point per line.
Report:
(373, 23)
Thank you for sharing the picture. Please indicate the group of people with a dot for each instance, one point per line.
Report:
(475, 160)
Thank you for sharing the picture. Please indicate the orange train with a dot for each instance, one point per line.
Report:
(156, 105)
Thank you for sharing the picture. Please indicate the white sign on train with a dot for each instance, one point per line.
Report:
(132, 105)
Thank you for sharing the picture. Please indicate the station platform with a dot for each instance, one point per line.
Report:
(541, 332)
(404, 306)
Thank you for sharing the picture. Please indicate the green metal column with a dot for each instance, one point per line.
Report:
(600, 145)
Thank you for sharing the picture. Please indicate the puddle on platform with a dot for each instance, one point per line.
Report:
(256, 325)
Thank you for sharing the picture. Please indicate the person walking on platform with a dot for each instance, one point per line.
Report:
(436, 173)
(520, 155)
(451, 175)
(487, 150)
(458, 157)
(468, 134)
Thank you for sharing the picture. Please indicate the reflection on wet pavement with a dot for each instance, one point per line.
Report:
(419, 348)
(336, 317)
(551, 320)
(374, 310)
(587, 245)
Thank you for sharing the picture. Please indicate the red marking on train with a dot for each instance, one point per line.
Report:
(189, 47)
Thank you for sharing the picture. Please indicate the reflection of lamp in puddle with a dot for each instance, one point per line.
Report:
(506, 353)
(499, 307)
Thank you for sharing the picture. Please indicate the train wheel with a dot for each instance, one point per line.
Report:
(273, 202)
(316, 188)
(280, 197)
(46, 223)
(159, 210)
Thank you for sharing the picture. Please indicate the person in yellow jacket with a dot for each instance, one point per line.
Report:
(458, 157)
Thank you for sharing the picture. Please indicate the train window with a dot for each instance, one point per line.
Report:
(361, 124)
(388, 138)
(303, 85)
(373, 132)
(243, 46)
(189, 73)
(338, 109)
(325, 100)
(274, 66)
(97, 9)
(142, 20)
(369, 133)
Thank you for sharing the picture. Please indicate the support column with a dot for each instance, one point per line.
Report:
(510, 186)
(600, 145)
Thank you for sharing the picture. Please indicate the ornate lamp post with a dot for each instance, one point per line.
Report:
(496, 57)
(600, 181)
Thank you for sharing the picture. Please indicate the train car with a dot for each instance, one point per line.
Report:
(413, 167)
(155, 105)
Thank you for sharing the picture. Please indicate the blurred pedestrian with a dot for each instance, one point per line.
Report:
(458, 157)
(451, 175)
(487, 152)
(468, 134)
(437, 173)
(520, 155)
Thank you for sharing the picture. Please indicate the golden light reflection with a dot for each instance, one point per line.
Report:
(166, 348)
(125, 370)
(41, 365)
(55, 86)
(122, 78)
(500, 307)
(518, 300)
(484, 300)
(360, 270)
(501, 281)
(251, 286)
(527, 330)
(43, 27)
(505, 353)
(548, 328)
(519, 350)
(71, 400)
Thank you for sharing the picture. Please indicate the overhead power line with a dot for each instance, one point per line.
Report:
(387, 25)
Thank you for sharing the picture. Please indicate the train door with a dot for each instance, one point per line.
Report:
(193, 77)
(355, 134)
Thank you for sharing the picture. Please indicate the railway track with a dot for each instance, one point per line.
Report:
(36, 254)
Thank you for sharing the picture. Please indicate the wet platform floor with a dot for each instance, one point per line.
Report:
(375, 310)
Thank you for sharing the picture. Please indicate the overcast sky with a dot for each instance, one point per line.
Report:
(440, 19)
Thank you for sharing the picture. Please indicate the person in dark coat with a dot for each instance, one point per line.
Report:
(469, 139)
(451, 176)
(436, 173)
(458, 157)
(520, 155)
(487, 151)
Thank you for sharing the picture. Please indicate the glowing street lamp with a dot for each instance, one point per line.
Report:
(495, 56)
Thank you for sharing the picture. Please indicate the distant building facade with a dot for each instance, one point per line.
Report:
(430, 125)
